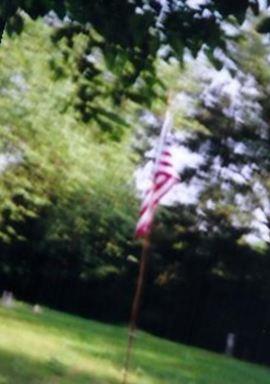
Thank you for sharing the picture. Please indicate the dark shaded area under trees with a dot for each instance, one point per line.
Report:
(196, 292)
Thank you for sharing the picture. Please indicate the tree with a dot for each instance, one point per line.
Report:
(132, 33)
(221, 117)
(49, 163)
(129, 37)
(141, 20)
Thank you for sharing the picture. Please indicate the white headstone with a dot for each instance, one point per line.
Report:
(230, 344)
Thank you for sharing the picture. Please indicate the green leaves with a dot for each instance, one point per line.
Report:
(263, 25)
(62, 164)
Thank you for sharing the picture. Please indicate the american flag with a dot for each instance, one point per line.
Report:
(164, 176)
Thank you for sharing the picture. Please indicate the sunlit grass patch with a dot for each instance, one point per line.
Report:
(56, 348)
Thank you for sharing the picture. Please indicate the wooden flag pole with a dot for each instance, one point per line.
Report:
(145, 252)
(136, 304)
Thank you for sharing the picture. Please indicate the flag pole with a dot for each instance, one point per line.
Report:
(136, 303)
(166, 127)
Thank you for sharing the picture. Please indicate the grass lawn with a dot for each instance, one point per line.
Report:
(56, 348)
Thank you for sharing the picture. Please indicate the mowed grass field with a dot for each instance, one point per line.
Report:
(57, 348)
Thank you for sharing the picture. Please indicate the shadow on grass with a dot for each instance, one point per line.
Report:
(19, 369)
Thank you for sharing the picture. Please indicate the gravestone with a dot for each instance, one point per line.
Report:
(230, 344)
(7, 299)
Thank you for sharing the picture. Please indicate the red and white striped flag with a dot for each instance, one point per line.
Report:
(164, 176)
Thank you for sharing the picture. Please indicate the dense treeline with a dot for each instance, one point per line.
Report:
(69, 148)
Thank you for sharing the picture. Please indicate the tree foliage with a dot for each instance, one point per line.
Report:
(130, 36)
(71, 180)
(135, 24)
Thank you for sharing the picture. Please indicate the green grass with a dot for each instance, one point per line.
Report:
(56, 348)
